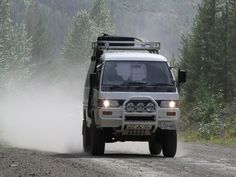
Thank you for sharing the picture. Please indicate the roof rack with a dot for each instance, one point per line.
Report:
(107, 42)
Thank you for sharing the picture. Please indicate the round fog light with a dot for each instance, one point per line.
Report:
(140, 107)
(130, 107)
(150, 107)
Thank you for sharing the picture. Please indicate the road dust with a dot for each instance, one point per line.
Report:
(42, 119)
(49, 118)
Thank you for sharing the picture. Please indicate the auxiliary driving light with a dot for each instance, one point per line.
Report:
(140, 107)
(130, 107)
(150, 107)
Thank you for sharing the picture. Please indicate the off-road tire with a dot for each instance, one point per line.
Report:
(86, 137)
(97, 140)
(154, 147)
(169, 144)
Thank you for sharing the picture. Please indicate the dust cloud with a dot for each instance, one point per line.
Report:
(43, 118)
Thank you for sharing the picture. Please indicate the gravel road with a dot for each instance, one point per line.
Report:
(121, 159)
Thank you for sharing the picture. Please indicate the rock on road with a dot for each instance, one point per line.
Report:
(121, 159)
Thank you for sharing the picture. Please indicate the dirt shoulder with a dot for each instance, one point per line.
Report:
(16, 162)
(121, 159)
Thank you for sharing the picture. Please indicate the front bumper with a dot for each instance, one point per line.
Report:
(138, 123)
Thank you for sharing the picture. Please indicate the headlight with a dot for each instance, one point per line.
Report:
(169, 104)
(172, 104)
(106, 103)
(130, 107)
(110, 103)
(150, 107)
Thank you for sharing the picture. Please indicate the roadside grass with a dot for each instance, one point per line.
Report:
(191, 135)
(226, 138)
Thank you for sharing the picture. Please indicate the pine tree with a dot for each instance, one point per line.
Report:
(84, 30)
(225, 67)
(15, 49)
(41, 52)
(211, 55)
(201, 53)
(19, 67)
(232, 45)
(101, 16)
(78, 44)
(5, 40)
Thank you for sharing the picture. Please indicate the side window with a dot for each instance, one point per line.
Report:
(91, 69)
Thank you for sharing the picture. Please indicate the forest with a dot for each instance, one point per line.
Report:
(45, 42)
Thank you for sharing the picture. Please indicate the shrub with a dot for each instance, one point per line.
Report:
(206, 113)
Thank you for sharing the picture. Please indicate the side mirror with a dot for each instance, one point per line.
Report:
(93, 79)
(182, 76)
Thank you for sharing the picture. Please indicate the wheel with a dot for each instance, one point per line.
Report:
(97, 140)
(154, 147)
(169, 144)
(86, 137)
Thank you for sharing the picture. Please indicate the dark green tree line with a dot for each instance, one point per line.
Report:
(208, 53)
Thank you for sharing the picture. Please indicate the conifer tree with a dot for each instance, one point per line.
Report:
(78, 44)
(204, 57)
(19, 67)
(41, 52)
(102, 17)
(15, 49)
(84, 30)
(232, 45)
(209, 53)
(5, 40)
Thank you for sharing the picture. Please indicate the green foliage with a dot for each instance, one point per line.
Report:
(84, 30)
(15, 49)
(36, 29)
(212, 129)
(207, 53)
(28, 2)
(101, 16)
(160, 20)
(209, 58)
(207, 111)
(5, 39)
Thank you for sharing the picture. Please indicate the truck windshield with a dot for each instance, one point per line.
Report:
(137, 76)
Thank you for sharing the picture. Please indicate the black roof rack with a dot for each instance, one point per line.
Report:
(107, 42)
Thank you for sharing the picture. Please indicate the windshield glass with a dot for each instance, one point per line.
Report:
(137, 75)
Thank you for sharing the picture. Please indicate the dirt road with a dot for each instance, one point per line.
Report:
(121, 159)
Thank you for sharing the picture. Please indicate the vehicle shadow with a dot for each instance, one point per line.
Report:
(106, 155)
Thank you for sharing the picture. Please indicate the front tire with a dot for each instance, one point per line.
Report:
(154, 147)
(97, 140)
(169, 145)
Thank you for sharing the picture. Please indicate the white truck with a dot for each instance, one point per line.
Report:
(130, 95)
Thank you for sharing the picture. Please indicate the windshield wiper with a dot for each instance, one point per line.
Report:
(115, 86)
(160, 84)
(133, 83)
